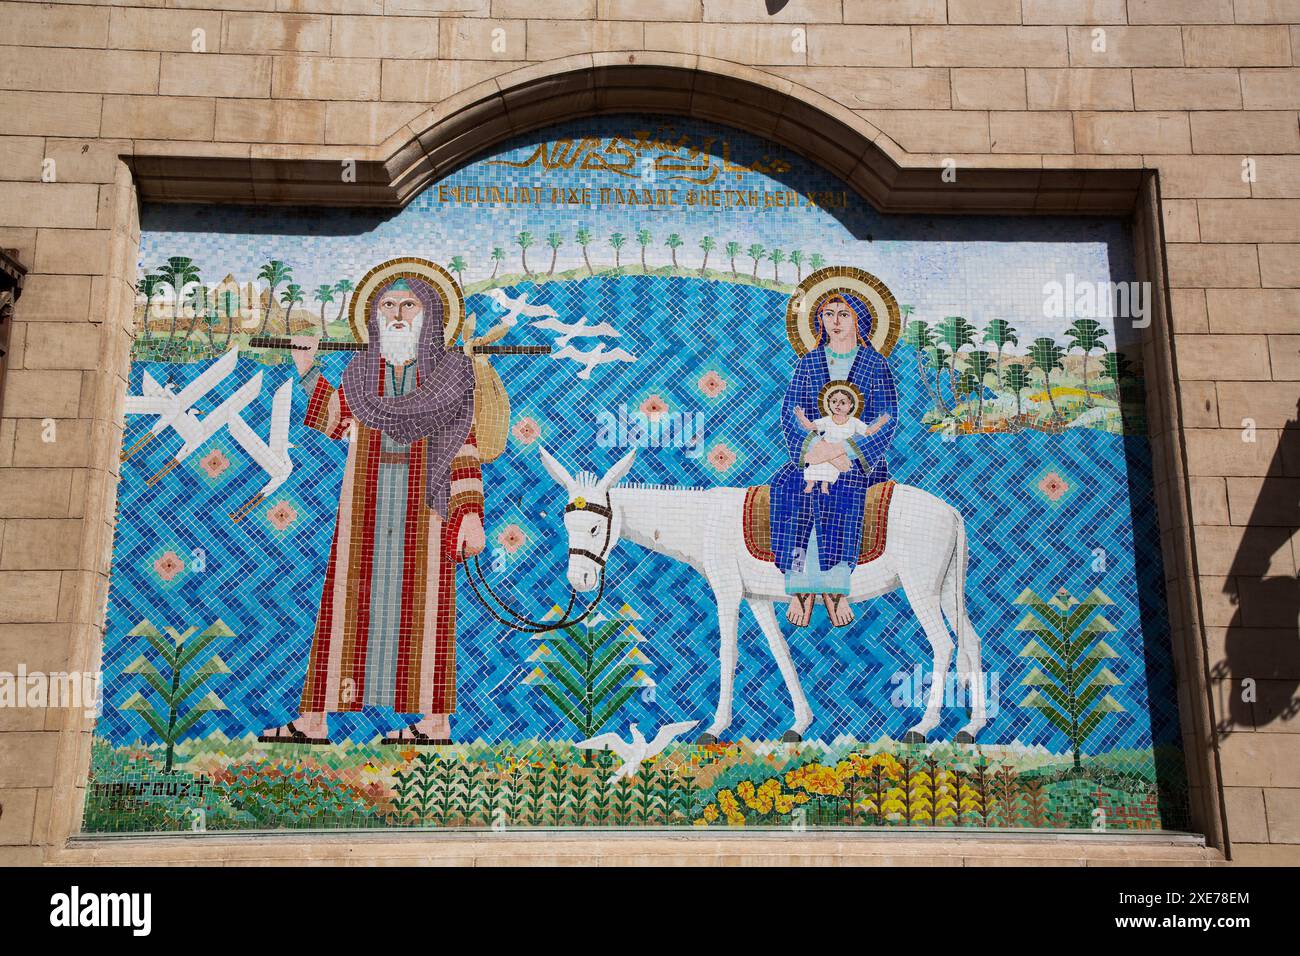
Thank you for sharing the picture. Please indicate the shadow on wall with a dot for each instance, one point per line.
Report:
(1262, 644)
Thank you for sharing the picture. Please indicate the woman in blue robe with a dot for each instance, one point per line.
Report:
(815, 537)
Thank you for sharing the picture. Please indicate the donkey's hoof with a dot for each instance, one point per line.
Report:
(791, 737)
(706, 739)
(912, 737)
(963, 738)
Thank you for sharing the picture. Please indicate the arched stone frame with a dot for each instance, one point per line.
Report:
(452, 134)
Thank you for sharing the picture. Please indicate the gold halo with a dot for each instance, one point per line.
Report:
(408, 267)
(821, 285)
(838, 385)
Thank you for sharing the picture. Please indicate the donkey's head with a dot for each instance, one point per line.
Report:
(592, 523)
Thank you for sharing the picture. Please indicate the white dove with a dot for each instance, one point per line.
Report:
(272, 454)
(597, 356)
(170, 406)
(197, 430)
(638, 749)
(518, 306)
(566, 332)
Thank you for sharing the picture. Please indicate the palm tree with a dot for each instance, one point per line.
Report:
(956, 333)
(498, 254)
(1116, 368)
(733, 250)
(197, 300)
(148, 287)
(777, 257)
(1000, 333)
(1086, 335)
(644, 238)
(554, 240)
(458, 265)
(291, 296)
(324, 295)
(1045, 355)
(273, 273)
(708, 245)
(979, 365)
(616, 242)
(228, 303)
(343, 288)
(176, 273)
(816, 261)
(523, 241)
(583, 236)
(968, 385)
(1016, 379)
(918, 335)
(674, 242)
(756, 252)
(939, 359)
(796, 257)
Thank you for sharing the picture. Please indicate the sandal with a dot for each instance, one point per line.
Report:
(805, 602)
(417, 738)
(294, 736)
(831, 602)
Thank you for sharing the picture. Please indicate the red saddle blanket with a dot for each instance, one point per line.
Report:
(757, 521)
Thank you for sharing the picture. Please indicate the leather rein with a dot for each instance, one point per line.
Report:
(515, 620)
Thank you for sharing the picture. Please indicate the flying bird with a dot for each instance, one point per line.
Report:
(172, 407)
(567, 332)
(597, 356)
(197, 430)
(518, 306)
(634, 752)
(272, 455)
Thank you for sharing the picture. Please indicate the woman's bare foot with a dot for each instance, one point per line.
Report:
(807, 489)
(799, 613)
(837, 607)
(826, 487)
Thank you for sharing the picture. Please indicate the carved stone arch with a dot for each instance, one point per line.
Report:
(453, 133)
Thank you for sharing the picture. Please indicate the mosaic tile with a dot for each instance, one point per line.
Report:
(637, 474)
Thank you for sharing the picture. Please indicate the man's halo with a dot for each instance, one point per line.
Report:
(408, 267)
(800, 316)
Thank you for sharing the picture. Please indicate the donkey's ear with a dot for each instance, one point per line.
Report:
(615, 474)
(555, 469)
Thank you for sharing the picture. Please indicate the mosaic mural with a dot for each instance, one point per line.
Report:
(637, 475)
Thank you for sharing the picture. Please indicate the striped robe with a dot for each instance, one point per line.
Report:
(422, 584)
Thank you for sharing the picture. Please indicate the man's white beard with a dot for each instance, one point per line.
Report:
(398, 346)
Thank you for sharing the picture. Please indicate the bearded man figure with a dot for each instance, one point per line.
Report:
(410, 508)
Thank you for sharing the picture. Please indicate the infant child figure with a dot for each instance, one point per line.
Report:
(841, 404)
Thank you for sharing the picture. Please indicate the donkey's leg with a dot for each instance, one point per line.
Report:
(771, 628)
(970, 665)
(928, 612)
(728, 622)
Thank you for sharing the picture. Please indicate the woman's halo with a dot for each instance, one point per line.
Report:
(800, 316)
(408, 267)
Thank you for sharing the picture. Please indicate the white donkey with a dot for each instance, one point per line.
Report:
(925, 555)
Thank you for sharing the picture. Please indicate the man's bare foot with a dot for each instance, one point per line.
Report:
(837, 607)
(434, 727)
(799, 613)
(807, 489)
(302, 729)
(826, 487)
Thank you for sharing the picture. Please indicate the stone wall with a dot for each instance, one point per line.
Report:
(1205, 92)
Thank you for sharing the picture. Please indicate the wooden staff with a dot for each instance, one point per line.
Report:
(280, 342)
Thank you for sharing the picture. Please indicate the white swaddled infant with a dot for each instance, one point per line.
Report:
(841, 403)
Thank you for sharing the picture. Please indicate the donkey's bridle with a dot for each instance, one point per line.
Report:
(521, 622)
